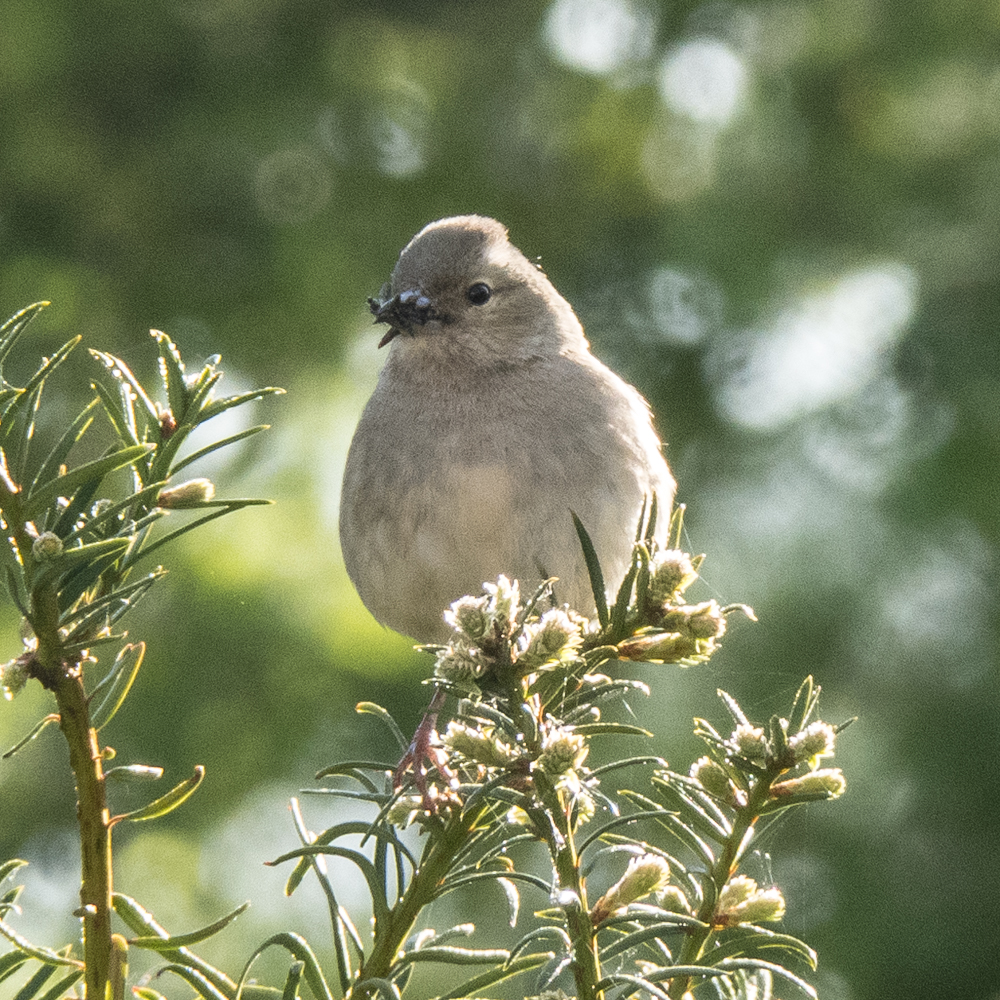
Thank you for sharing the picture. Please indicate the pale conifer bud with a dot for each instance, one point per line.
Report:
(700, 621)
(13, 676)
(671, 572)
(742, 901)
(469, 615)
(813, 743)
(479, 744)
(713, 777)
(504, 601)
(189, 494)
(645, 874)
(673, 900)
(551, 639)
(562, 750)
(706, 620)
(750, 741)
(459, 663)
(825, 783)
(46, 547)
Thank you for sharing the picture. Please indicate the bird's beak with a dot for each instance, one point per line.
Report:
(402, 312)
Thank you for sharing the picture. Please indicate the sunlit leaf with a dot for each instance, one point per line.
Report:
(221, 405)
(138, 500)
(147, 993)
(196, 980)
(370, 708)
(141, 922)
(610, 728)
(542, 934)
(14, 327)
(119, 418)
(40, 954)
(172, 374)
(228, 507)
(68, 484)
(127, 665)
(49, 469)
(292, 980)
(166, 803)
(376, 887)
(50, 364)
(123, 373)
(9, 867)
(174, 941)
(300, 950)
(513, 899)
(11, 962)
(356, 769)
(750, 938)
(730, 964)
(36, 729)
(683, 832)
(68, 560)
(61, 987)
(32, 987)
(476, 985)
(453, 882)
(107, 609)
(734, 709)
(134, 773)
(806, 699)
(594, 570)
(667, 925)
(617, 765)
(619, 610)
(341, 924)
(224, 443)
(703, 817)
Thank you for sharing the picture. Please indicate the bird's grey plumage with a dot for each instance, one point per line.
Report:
(490, 422)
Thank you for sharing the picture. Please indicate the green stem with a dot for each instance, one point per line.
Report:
(64, 678)
(696, 942)
(566, 861)
(95, 830)
(438, 857)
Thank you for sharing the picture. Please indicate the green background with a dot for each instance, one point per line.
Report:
(779, 220)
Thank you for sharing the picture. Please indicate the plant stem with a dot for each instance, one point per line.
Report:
(95, 831)
(64, 678)
(438, 856)
(586, 964)
(695, 944)
(66, 682)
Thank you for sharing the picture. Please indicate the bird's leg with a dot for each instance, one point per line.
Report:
(422, 751)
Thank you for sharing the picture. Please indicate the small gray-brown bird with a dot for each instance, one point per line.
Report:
(491, 421)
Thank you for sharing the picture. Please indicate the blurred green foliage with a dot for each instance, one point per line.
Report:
(778, 219)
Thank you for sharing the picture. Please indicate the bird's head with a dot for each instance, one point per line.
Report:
(461, 281)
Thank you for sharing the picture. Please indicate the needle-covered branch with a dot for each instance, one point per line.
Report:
(75, 528)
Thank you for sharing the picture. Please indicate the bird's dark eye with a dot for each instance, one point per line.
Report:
(479, 293)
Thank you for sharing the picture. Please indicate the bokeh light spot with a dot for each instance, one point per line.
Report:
(684, 307)
(703, 79)
(398, 150)
(598, 36)
(818, 352)
(935, 612)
